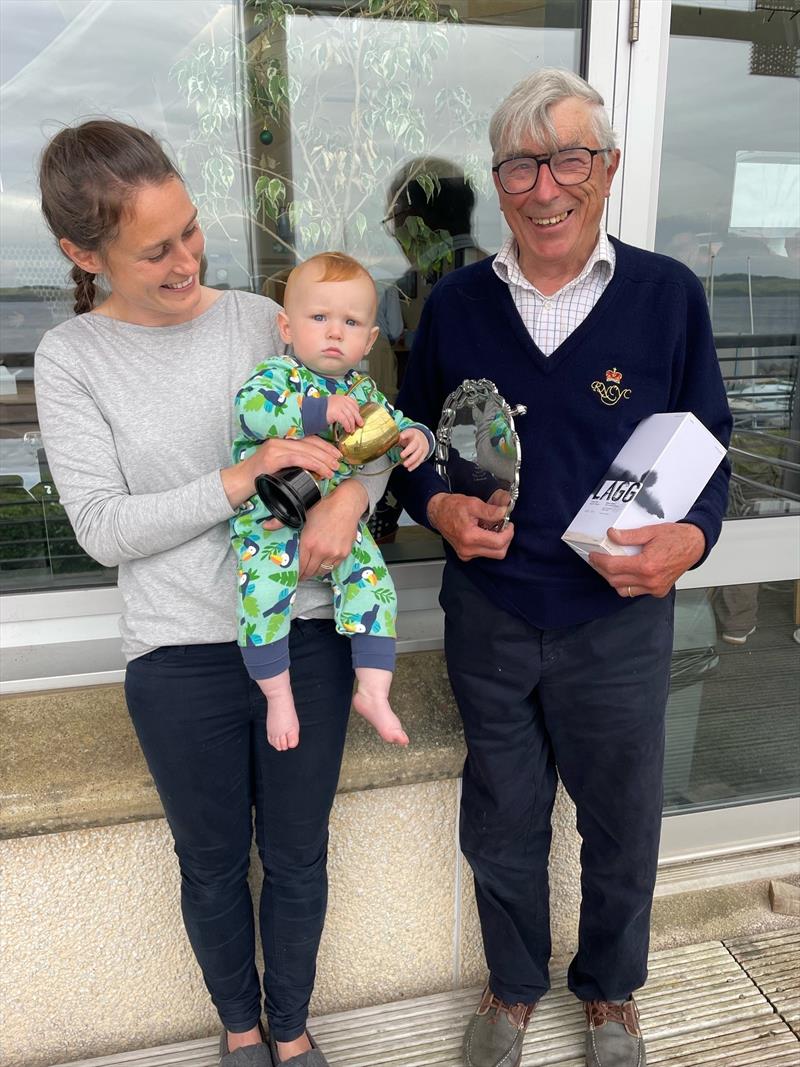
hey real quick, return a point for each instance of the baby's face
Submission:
(330, 324)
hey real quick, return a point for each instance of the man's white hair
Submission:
(524, 115)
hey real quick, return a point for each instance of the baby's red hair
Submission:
(334, 267)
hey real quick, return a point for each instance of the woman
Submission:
(135, 404)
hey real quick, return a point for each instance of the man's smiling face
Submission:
(556, 226)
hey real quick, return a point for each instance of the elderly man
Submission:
(559, 667)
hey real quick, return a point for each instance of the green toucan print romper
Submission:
(284, 399)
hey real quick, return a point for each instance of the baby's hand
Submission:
(344, 410)
(415, 448)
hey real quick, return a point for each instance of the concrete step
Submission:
(703, 1005)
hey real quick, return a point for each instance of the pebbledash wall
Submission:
(92, 933)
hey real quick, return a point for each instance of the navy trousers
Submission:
(201, 724)
(587, 702)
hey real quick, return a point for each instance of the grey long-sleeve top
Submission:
(137, 422)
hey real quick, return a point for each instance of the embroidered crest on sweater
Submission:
(609, 391)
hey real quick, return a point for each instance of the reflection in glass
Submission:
(729, 207)
(733, 732)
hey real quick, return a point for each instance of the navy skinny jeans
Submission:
(589, 703)
(201, 724)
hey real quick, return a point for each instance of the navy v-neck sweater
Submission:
(651, 327)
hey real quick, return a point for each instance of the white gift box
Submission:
(658, 474)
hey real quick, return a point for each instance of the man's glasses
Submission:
(570, 166)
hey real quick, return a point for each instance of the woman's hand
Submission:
(313, 454)
(330, 529)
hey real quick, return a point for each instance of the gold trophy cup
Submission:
(378, 434)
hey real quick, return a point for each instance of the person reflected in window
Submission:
(736, 607)
(561, 669)
(135, 397)
(429, 213)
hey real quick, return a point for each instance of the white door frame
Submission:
(632, 78)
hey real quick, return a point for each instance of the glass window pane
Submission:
(729, 207)
(64, 62)
(296, 131)
(733, 732)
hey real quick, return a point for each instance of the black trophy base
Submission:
(289, 494)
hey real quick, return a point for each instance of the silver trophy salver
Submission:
(478, 452)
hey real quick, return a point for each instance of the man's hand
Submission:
(458, 519)
(415, 448)
(344, 410)
(330, 529)
(668, 549)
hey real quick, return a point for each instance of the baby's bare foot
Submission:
(376, 709)
(283, 726)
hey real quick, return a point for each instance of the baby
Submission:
(329, 319)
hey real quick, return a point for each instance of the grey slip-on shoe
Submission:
(249, 1056)
(314, 1058)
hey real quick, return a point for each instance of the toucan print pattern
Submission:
(270, 404)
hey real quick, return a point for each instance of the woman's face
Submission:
(153, 264)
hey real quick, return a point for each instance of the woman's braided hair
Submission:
(87, 174)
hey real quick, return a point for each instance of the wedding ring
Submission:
(629, 591)
(329, 564)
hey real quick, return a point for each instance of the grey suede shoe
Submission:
(495, 1033)
(249, 1056)
(613, 1037)
(314, 1058)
